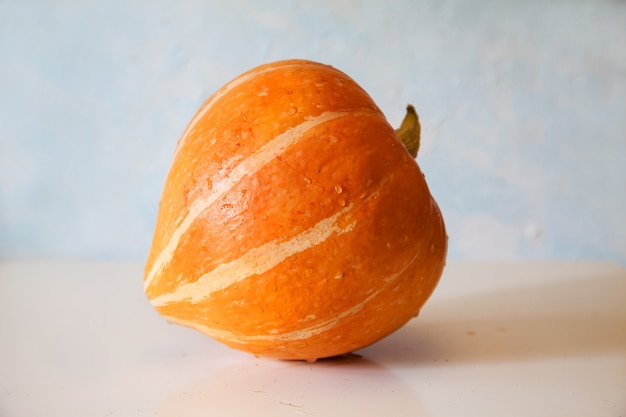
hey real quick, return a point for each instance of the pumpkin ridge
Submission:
(209, 103)
(247, 167)
(256, 261)
(300, 334)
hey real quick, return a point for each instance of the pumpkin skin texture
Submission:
(294, 223)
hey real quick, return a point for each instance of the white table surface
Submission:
(496, 339)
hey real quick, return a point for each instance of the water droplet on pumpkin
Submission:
(292, 110)
(339, 275)
(209, 183)
(307, 180)
(333, 139)
(227, 206)
(338, 189)
(244, 117)
(339, 81)
(342, 202)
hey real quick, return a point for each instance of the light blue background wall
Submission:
(523, 105)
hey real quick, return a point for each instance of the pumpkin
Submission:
(294, 223)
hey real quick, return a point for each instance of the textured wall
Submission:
(523, 107)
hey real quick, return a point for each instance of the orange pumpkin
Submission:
(294, 223)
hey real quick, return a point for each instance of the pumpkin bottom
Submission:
(358, 324)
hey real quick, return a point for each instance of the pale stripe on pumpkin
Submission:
(248, 166)
(294, 335)
(256, 261)
(208, 105)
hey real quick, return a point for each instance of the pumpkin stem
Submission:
(409, 131)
